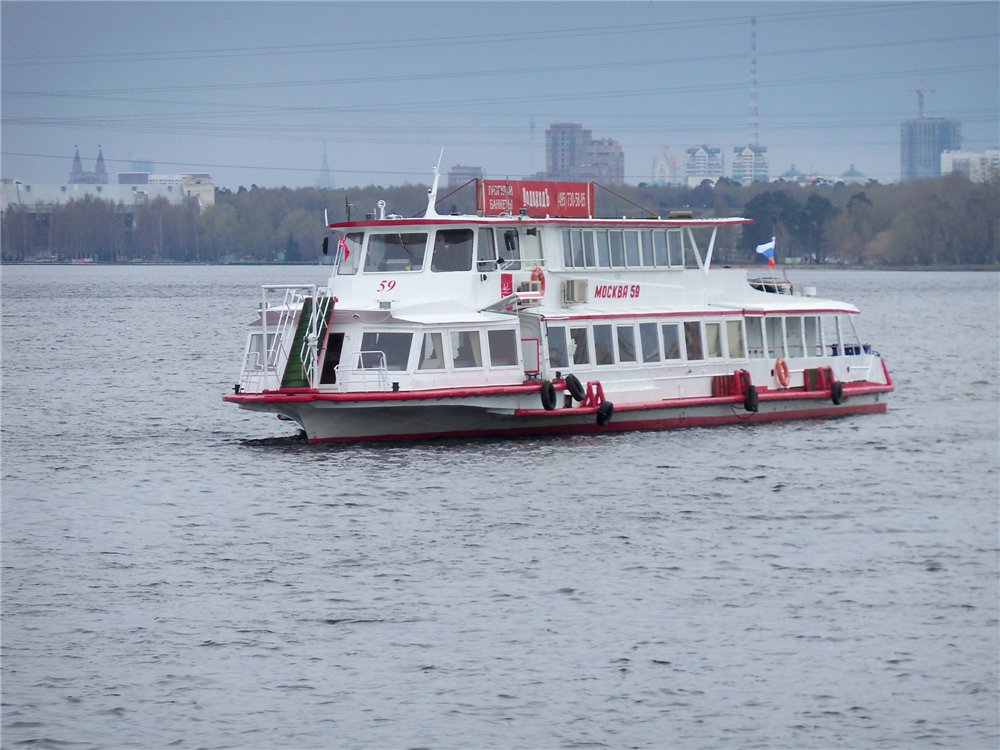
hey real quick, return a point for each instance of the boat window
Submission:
(603, 250)
(660, 248)
(452, 250)
(650, 342)
(849, 335)
(567, 249)
(617, 248)
(466, 349)
(394, 346)
(603, 346)
(814, 341)
(734, 334)
(531, 247)
(256, 355)
(793, 330)
(675, 248)
(692, 340)
(755, 338)
(576, 236)
(713, 340)
(509, 251)
(588, 249)
(503, 347)
(632, 258)
(671, 341)
(646, 236)
(557, 346)
(396, 251)
(486, 255)
(578, 347)
(831, 334)
(351, 258)
(626, 343)
(775, 337)
(431, 353)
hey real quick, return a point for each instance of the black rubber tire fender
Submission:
(575, 388)
(548, 394)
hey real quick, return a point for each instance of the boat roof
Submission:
(465, 219)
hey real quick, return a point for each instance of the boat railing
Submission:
(279, 309)
(364, 371)
(315, 333)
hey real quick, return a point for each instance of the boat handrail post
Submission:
(711, 249)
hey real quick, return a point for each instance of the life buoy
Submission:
(537, 274)
(575, 388)
(781, 370)
(548, 393)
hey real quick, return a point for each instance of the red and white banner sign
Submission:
(540, 198)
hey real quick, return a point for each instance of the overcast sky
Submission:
(252, 92)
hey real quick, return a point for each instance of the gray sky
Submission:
(251, 91)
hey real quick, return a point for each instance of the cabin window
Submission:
(486, 254)
(793, 332)
(626, 343)
(814, 340)
(650, 342)
(392, 348)
(632, 258)
(466, 349)
(849, 335)
(508, 249)
(713, 340)
(503, 348)
(692, 340)
(646, 236)
(578, 346)
(257, 356)
(671, 341)
(755, 338)
(617, 248)
(660, 249)
(452, 250)
(675, 248)
(576, 238)
(775, 337)
(603, 250)
(588, 249)
(603, 348)
(431, 353)
(567, 249)
(734, 336)
(351, 258)
(396, 251)
(557, 346)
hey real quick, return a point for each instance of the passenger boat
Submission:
(540, 319)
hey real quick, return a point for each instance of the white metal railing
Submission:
(364, 371)
(310, 350)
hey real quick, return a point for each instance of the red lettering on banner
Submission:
(539, 198)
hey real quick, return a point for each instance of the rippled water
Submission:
(179, 573)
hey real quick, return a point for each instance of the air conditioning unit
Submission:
(574, 290)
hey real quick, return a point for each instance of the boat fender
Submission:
(548, 393)
(537, 274)
(781, 370)
(575, 388)
(604, 412)
(836, 392)
(750, 399)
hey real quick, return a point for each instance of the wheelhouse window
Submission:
(671, 341)
(603, 346)
(650, 342)
(349, 252)
(395, 251)
(486, 254)
(675, 248)
(692, 340)
(431, 352)
(466, 349)
(503, 347)
(391, 347)
(452, 250)
(508, 249)
(557, 346)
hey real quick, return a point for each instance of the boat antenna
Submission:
(432, 193)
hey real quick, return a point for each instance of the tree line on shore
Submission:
(946, 221)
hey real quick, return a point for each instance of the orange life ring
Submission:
(781, 370)
(537, 274)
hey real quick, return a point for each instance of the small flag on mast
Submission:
(767, 250)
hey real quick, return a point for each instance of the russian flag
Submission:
(767, 250)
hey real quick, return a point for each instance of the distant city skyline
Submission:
(253, 93)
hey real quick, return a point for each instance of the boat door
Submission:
(531, 345)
